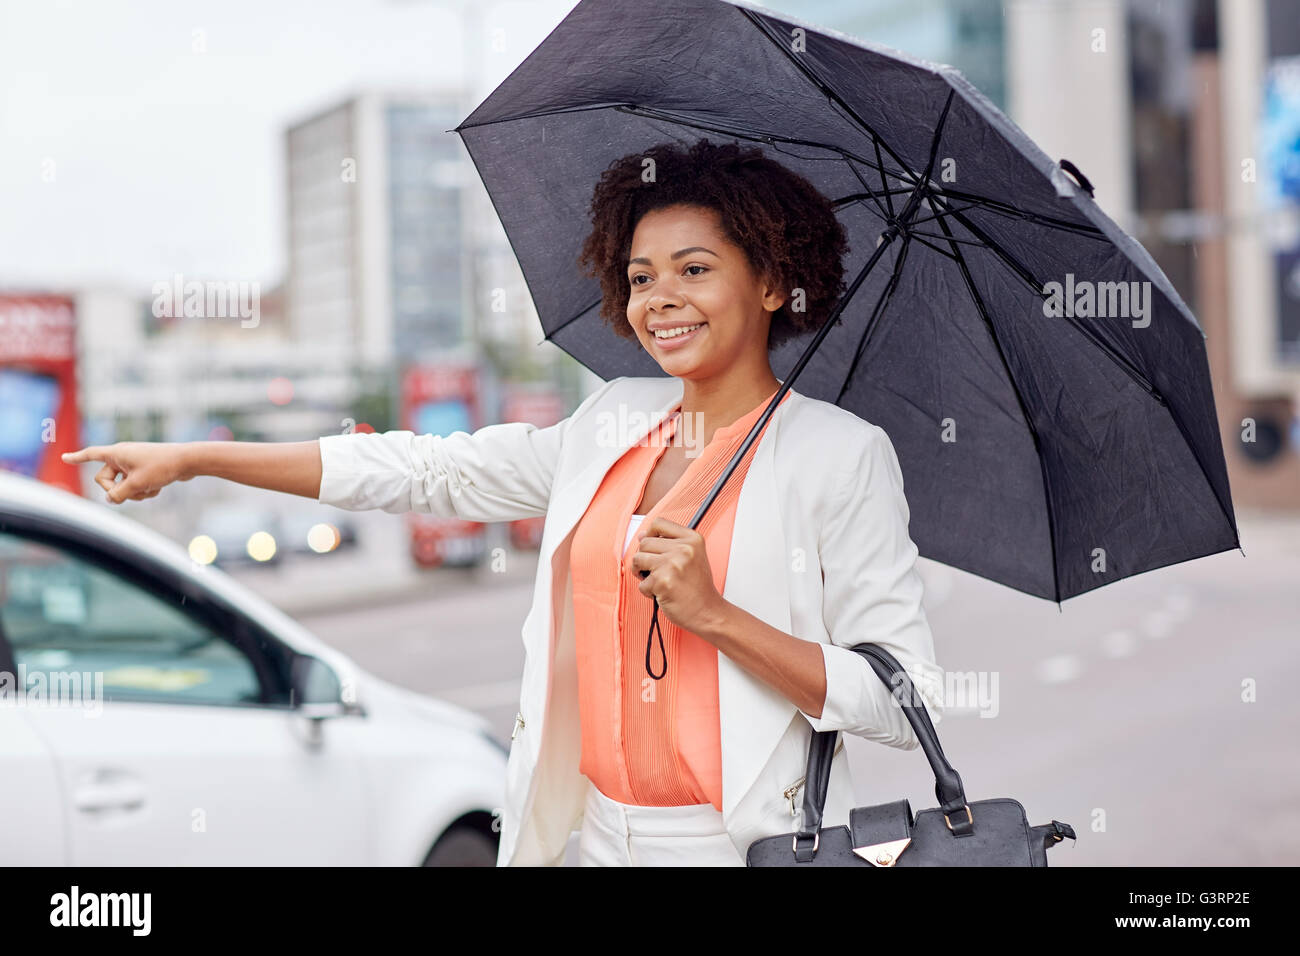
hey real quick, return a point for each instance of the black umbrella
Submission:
(1086, 446)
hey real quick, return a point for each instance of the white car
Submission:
(155, 712)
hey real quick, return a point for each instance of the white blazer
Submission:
(820, 550)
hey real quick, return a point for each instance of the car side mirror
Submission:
(317, 694)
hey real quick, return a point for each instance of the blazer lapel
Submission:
(572, 500)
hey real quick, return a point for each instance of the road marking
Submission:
(1059, 669)
(1158, 624)
(1119, 644)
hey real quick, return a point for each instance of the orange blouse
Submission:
(650, 742)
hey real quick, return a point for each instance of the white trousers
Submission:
(620, 834)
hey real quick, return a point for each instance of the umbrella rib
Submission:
(885, 213)
(930, 245)
(997, 205)
(934, 141)
(880, 165)
(1020, 400)
(1028, 217)
(771, 139)
(936, 216)
(571, 318)
(870, 327)
(777, 41)
(1010, 260)
(855, 197)
(930, 235)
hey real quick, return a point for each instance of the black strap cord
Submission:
(654, 628)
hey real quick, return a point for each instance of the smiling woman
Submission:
(763, 220)
(709, 256)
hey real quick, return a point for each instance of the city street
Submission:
(1156, 716)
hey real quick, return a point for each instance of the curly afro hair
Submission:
(785, 226)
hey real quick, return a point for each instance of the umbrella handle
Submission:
(1084, 183)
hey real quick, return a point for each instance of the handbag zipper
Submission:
(790, 792)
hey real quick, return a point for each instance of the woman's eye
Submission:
(642, 275)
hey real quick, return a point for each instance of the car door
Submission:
(32, 831)
(169, 717)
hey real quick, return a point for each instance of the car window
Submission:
(65, 616)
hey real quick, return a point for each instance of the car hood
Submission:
(379, 692)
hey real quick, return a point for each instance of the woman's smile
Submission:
(669, 339)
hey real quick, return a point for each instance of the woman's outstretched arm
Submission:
(145, 468)
(292, 467)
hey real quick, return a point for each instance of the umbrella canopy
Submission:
(1045, 388)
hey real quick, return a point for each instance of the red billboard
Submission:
(438, 399)
(38, 388)
(541, 405)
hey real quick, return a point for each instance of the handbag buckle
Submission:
(969, 818)
(817, 839)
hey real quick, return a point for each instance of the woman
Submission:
(687, 752)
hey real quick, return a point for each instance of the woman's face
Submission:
(683, 272)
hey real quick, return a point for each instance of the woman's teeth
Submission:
(673, 333)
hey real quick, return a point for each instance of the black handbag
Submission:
(984, 833)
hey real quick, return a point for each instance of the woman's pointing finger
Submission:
(89, 453)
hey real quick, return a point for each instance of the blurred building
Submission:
(967, 34)
(508, 329)
(148, 376)
(377, 265)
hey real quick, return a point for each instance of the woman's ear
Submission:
(774, 295)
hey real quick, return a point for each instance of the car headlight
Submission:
(261, 546)
(323, 538)
(203, 550)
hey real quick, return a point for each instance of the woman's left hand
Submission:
(680, 576)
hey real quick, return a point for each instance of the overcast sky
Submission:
(139, 138)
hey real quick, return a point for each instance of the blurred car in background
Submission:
(155, 712)
(309, 527)
(232, 533)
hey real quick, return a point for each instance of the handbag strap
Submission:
(947, 782)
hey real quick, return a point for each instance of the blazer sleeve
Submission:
(872, 592)
(501, 472)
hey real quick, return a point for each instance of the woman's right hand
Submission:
(145, 467)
